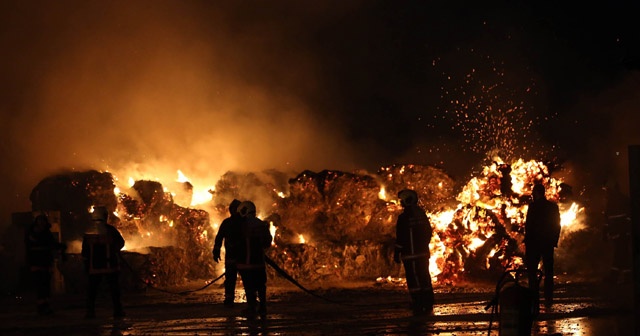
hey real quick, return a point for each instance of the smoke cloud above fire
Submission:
(145, 88)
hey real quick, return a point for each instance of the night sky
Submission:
(143, 88)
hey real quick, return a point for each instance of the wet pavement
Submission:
(366, 308)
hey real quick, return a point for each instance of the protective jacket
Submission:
(256, 238)
(40, 248)
(100, 251)
(542, 226)
(231, 233)
(413, 233)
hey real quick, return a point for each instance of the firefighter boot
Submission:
(250, 311)
(262, 309)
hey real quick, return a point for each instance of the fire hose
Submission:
(164, 290)
(268, 261)
(289, 278)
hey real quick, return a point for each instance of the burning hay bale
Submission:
(179, 238)
(433, 185)
(324, 261)
(328, 225)
(150, 218)
(73, 194)
(331, 206)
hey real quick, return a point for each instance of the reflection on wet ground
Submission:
(580, 309)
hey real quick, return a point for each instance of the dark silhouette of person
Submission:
(230, 233)
(542, 232)
(413, 234)
(101, 247)
(617, 230)
(41, 246)
(506, 187)
(255, 240)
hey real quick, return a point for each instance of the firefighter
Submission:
(101, 252)
(617, 230)
(505, 180)
(41, 246)
(255, 239)
(542, 232)
(413, 234)
(229, 232)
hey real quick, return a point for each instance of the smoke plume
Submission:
(145, 88)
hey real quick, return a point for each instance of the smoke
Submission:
(143, 89)
(598, 129)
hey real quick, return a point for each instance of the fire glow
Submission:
(483, 232)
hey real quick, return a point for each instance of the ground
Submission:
(361, 308)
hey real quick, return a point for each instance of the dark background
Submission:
(143, 88)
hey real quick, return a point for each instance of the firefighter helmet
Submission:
(100, 213)
(538, 188)
(233, 206)
(246, 208)
(408, 197)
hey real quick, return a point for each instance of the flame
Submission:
(460, 231)
(181, 177)
(571, 218)
(279, 193)
(382, 194)
(132, 182)
(469, 229)
(272, 229)
(202, 196)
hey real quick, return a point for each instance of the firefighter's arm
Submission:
(220, 236)
(557, 226)
(397, 254)
(118, 240)
(266, 234)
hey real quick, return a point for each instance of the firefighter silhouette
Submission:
(413, 234)
(255, 239)
(230, 233)
(41, 246)
(505, 180)
(617, 231)
(101, 247)
(542, 232)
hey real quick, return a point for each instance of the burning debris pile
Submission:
(484, 234)
(329, 225)
(144, 213)
(337, 225)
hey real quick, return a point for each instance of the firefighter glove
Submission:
(216, 255)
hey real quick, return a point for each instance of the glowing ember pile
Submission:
(329, 225)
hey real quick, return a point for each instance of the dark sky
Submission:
(144, 88)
